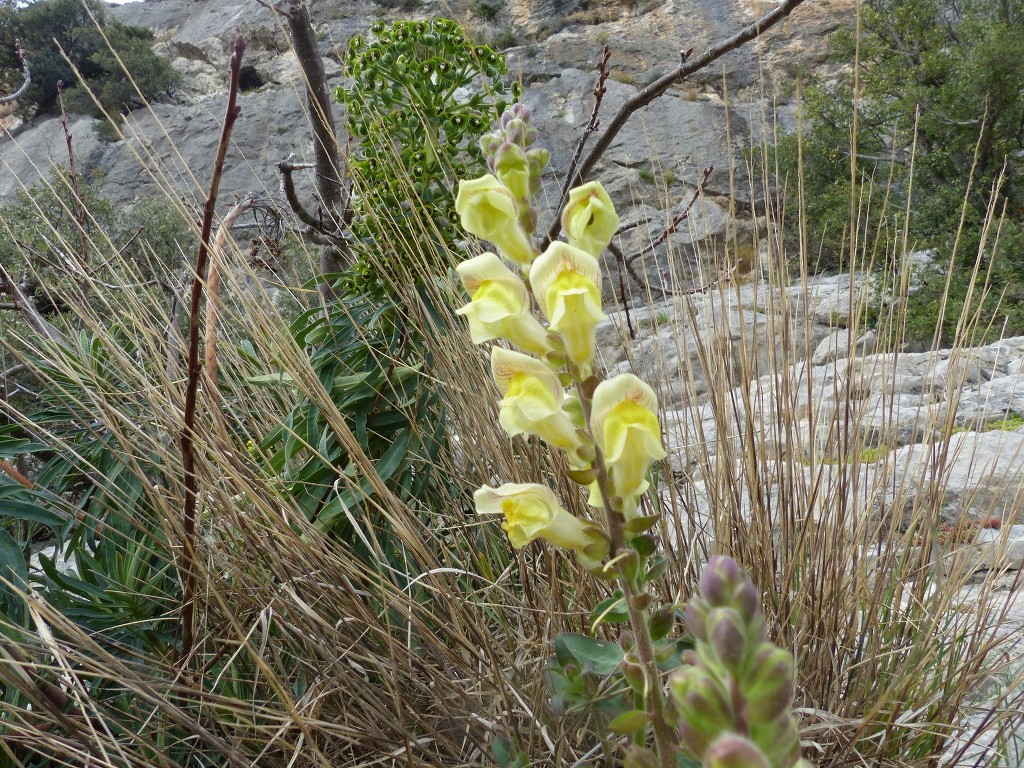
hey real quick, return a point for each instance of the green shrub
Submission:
(48, 26)
(940, 119)
(414, 136)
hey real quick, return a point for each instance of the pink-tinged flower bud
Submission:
(702, 705)
(489, 143)
(779, 740)
(719, 580)
(727, 636)
(732, 751)
(538, 160)
(639, 757)
(515, 131)
(766, 683)
(747, 602)
(696, 613)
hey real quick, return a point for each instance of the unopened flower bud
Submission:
(639, 757)
(696, 613)
(732, 751)
(727, 637)
(767, 683)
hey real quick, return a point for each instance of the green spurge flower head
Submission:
(413, 135)
(734, 697)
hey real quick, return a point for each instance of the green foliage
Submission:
(416, 136)
(940, 93)
(48, 26)
(360, 352)
(488, 11)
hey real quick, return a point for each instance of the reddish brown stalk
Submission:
(188, 457)
(80, 213)
(11, 471)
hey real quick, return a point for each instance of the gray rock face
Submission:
(675, 137)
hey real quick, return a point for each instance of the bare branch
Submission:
(687, 66)
(26, 75)
(288, 189)
(678, 219)
(593, 125)
(28, 310)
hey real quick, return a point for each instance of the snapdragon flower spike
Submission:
(532, 511)
(734, 660)
(567, 284)
(589, 218)
(490, 211)
(532, 402)
(625, 425)
(499, 306)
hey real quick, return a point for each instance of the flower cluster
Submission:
(734, 697)
(618, 431)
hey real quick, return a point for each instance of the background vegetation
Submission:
(92, 43)
(931, 113)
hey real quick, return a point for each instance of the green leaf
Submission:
(598, 656)
(640, 525)
(12, 562)
(611, 610)
(629, 722)
(505, 755)
(25, 510)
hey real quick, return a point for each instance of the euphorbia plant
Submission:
(729, 705)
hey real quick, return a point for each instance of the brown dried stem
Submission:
(188, 459)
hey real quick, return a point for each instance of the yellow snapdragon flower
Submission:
(533, 397)
(567, 284)
(532, 511)
(625, 425)
(589, 218)
(499, 306)
(490, 211)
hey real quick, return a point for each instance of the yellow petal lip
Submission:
(506, 363)
(567, 284)
(589, 218)
(500, 305)
(558, 258)
(625, 426)
(486, 266)
(532, 511)
(532, 400)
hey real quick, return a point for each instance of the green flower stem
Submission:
(664, 734)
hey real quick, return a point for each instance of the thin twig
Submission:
(80, 212)
(286, 168)
(687, 66)
(26, 75)
(678, 219)
(28, 310)
(188, 458)
(593, 125)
